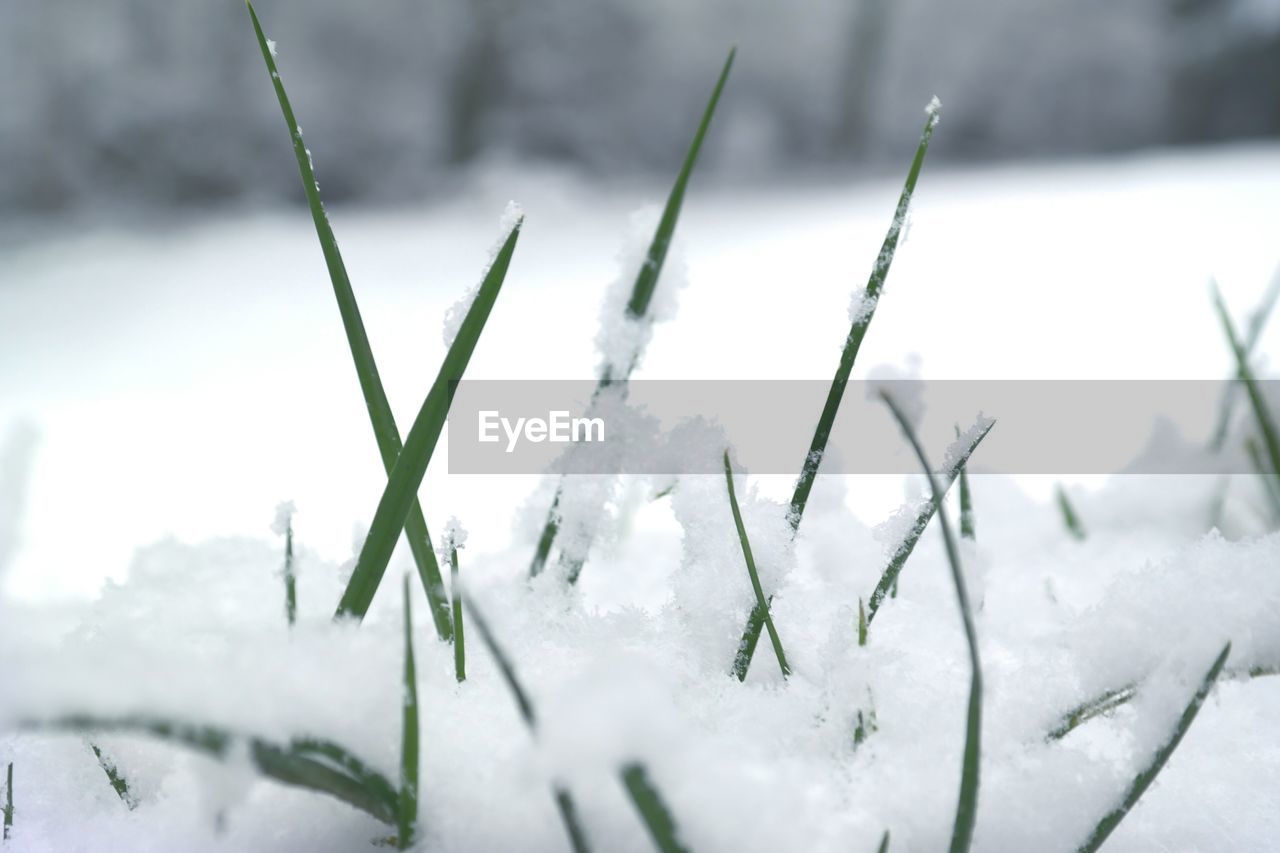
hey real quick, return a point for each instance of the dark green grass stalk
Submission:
(884, 843)
(8, 802)
(564, 800)
(402, 486)
(316, 765)
(1261, 412)
(290, 579)
(1070, 520)
(459, 635)
(1257, 322)
(967, 530)
(827, 419)
(385, 432)
(641, 296)
(862, 624)
(889, 578)
(751, 570)
(1096, 707)
(115, 778)
(967, 807)
(407, 813)
(652, 809)
(1148, 774)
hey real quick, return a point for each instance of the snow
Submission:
(284, 517)
(141, 577)
(512, 215)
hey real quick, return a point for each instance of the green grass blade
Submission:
(1149, 773)
(641, 296)
(1261, 412)
(564, 800)
(653, 810)
(8, 802)
(385, 432)
(857, 331)
(755, 579)
(1070, 520)
(862, 624)
(884, 843)
(647, 280)
(904, 550)
(459, 635)
(967, 808)
(407, 813)
(115, 778)
(402, 486)
(1257, 322)
(290, 580)
(318, 766)
(967, 530)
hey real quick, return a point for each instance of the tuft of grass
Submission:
(889, 578)
(564, 800)
(1261, 412)
(385, 432)
(653, 811)
(967, 808)
(1070, 520)
(459, 636)
(755, 578)
(1257, 322)
(853, 342)
(1148, 774)
(116, 779)
(641, 296)
(407, 812)
(317, 765)
(8, 802)
(402, 486)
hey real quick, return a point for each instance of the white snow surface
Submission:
(141, 579)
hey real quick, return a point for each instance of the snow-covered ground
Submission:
(171, 385)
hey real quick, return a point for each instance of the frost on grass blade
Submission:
(401, 493)
(115, 778)
(636, 318)
(956, 458)
(385, 432)
(316, 765)
(1148, 774)
(283, 526)
(861, 312)
(967, 807)
(564, 800)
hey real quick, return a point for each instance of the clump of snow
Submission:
(454, 536)
(284, 517)
(933, 110)
(511, 218)
(622, 337)
(271, 46)
(861, 307)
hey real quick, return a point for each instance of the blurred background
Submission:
(154, 103)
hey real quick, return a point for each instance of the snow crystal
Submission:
(861, 306)
(511, 218)
(455, 535)
(271, 46)
(284, 517)
(934, 109)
